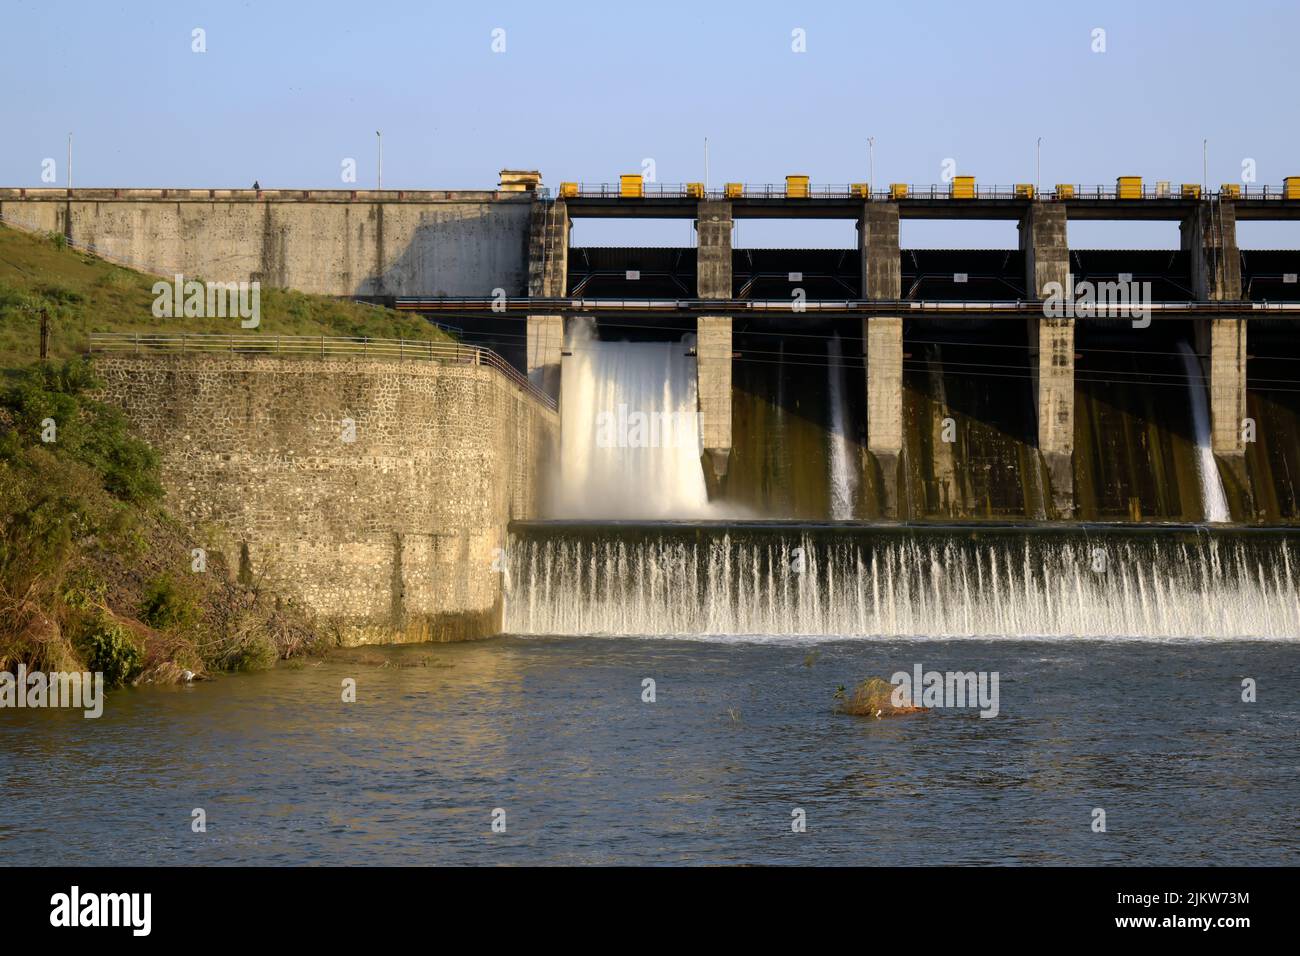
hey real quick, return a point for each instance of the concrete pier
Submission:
(548, 267)
(713, 345)
(1223, 341)
(1209, 233)
(882, 341)
(1051, 349)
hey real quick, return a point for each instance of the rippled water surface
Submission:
(554, 731)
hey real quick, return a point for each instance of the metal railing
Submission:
(580, 305)
(316, 346)
(205, 193)
(679, 191)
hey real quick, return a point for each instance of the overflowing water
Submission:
(843, 471)
(735, 580)
(1213, 501)
(629, 430)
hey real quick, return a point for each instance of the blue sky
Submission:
(585, 91)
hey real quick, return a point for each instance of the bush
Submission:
(251, 648)
(90, 432)
(169, 605)
(83, 590)
(109, 650)
(60, 294)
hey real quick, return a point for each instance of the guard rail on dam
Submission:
(952, 201)
(470, 306)
(904, 191)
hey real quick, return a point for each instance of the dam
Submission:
(706, 439)
(786, 435)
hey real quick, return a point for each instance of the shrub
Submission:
(252, 648)
(167, 604)
(109, 650)
(90, 432)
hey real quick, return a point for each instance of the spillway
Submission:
(629, 432)
(737, 580)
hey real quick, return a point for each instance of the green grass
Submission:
(84, 294)
(93, 572)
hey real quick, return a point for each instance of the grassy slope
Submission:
(93, 571)
(94, 574)
(86, 294)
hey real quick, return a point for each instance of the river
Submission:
(742, 733)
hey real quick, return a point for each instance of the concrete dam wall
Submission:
(450, 242)
(390, 536)
(969, 449)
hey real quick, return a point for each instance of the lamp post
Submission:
(380, 136)
(1038, 168)
(871, 163)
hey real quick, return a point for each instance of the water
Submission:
(553, 730)
(738, 579)
(843, 476)
(1213, 501)
(629, 430)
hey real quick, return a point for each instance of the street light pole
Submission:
(1038, 167)
(1205, 166)
(381, 158)
(69, 160)
(871, 163)
(706, 164)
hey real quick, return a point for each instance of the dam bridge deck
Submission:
(774, 201)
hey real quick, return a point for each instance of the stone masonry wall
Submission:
(389, 538)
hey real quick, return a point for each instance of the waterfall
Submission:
(738, 580)
(630, 440)
(1213, 501)
(843, 474)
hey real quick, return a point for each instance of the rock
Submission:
(872, 698)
